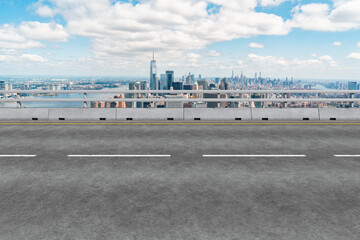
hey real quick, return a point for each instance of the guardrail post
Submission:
(352, 103)
(218, 103)
(85, 103)
(18, 103)
(265, 103)
(285, 103)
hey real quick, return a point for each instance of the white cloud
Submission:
(43, 31)
(25, 35)
(326, 58)
(32, 58)
(256, 45)
(271, 2)
(358, 44)
(337, 44)
(11, 38)
(283, 63)
(7, 58)
(354, 56)
(120, 29)
(45, 11)
(17, 57)
(321, 17)
(213, 53)
(194, 55)
(329, 60)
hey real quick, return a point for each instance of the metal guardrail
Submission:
(285, 94)
(181, 91)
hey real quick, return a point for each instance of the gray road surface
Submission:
(185, 196)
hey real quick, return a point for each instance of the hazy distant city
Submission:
(170, 81)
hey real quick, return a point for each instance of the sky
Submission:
(304, 39)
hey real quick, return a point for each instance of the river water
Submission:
(64, 104)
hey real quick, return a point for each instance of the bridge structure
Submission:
(67, 174)
(176, 110)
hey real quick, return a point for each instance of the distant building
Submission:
(224, 85)
(204, 84)
(2, 85)
(144, 85)
(211, 104)
(192, 78)
(188, 87)
(177, 85)
(169, 79)
(188, 80)
(130, 95)
(153, 72)
(163, 82)
(352, 85)
(174, 104)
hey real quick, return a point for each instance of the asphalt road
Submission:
(180, 194)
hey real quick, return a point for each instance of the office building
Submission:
(144, 85)
(224, 85)
(130, 95)
(352, 85)
(163, 82)
(153, 74)
(174, 104)
(203, 84)
(177, 85)
(188, 80)
(169, 79)
(188, 87)
(192, 78)
(211, 104)
(2, 87)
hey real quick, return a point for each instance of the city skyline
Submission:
(280, 38)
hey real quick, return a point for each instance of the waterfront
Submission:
(63, 104)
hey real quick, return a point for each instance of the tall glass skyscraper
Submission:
(153, 72)
(169, 79)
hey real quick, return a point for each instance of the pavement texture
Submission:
(185, 196)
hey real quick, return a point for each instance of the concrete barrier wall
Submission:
(229, 114)
(189, 114)
(82, 113)
(339, 113)
(24, 113)
(285, 113)
(150, 113)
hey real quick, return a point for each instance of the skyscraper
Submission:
(192, 78)
(224, 85)
(177, 85)
(169, 79)
(153, 72)
(352, 85)
(130, 95)
(163, 82)
(2, 86)
(188, 80)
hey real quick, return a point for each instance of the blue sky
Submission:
(280, 38)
